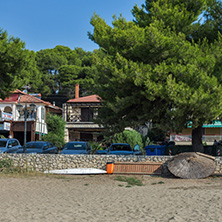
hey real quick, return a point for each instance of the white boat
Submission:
(78, 171)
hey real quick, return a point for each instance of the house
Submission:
(211, 132)
(12, 122)
(79, 114)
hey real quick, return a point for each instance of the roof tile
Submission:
(86, 99)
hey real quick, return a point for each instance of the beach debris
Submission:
(192, 165)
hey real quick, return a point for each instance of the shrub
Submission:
(56, 130)
(129, 136)
(95, 146)
(156, 134)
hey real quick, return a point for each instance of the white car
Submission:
(9, 145)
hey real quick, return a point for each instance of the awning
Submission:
(215, 124)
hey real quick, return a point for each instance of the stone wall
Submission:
(42, 162)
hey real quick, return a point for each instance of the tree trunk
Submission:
(197, 140)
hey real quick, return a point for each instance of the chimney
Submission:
(76, 91)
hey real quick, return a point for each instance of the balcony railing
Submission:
(77, 119)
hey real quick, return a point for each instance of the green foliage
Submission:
(6, 163)
(129, 180)
(156, 134)
(6, 166)
(56, 130)
(14, 63)
(131, 137)
(147, 141)
(61, 68)
(95, 146)
(157, 68)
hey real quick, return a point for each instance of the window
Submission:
(50, 145)
(9, 143)
(8, 109)
(14, 143)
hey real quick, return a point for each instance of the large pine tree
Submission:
(158, 68)
(15, 64)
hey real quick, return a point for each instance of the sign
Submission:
(6, 116)
(5, 126)
(179, 138)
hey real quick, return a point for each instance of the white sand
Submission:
(101, 198)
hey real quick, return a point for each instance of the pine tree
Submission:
(153, 68)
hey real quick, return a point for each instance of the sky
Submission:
(43, 24)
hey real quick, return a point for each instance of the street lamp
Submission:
(26, 114)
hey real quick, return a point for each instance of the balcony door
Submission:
(86, 114)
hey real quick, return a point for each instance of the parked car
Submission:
(38, 147)
(76, 147)
(9, 145)
(121, 149)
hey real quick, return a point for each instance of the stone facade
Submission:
(42, 162)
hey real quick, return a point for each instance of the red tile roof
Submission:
(11, 98)
(19, 96)
(86, 99)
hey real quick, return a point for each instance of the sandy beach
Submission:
(102, 198)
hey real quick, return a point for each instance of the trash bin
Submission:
(174, 150)
(208, 150)
(109, 167)
(155, 150)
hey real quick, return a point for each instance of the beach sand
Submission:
(102, 198)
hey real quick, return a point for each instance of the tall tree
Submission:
(80, 69)
(48, 62)
(14, 63)
(153, 69)
(61, 68)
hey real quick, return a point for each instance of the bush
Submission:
(56, 130)
(129, 136)
(156, 134)
(95, 146)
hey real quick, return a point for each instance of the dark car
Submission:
(38, 147)
(9, 145)
(76, 147)
(121, 149)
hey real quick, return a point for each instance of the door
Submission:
(9, 147)
(15, 145)
(86, 114)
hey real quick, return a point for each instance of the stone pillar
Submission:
(66, 135)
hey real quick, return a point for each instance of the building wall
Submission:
(212, 131)
(78, 128)
(209, 135)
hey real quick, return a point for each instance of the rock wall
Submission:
(42, 162)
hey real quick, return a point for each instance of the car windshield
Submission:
(121, 147)
(3, 143)
(34, 145)
(75, 146)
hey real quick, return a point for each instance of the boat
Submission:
(77, 171)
